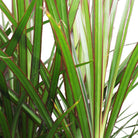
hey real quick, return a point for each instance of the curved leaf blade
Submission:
(4, 126)
(122, 91)
(28, 87)
(7, 103)
(17, 34)
(58, 121)
(117, 55)
(72, 76)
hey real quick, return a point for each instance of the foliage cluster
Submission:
(30, 90)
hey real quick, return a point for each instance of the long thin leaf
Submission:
(4, 126)
(29, 88)
(16, 116)
(45, 76)
(106, 46)
(98, 21)
(35, 65)
(54, 81)
(63, 11)
(7, 12)
(72, 75)
(122, 91)
(7, 103)
(3, 36)
(12, 45)
(82, 82)
(37, 44)
(117, 54)
(51, 5)
(32, 28)
(25, 108)
(22, 53)
(72, 12)
(58, 121)
(14, 9)
(89, 43)
(113, 9)
(120, 128)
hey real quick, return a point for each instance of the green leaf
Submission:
(3, 36)
(58, 121)
(54, 82)
(52, 9)
(22, 52)
(132, 85)
(7, 13)
(45, 75)
(6, 99)
(32, 28)
(14, 9)
(88, 55)
(121, 71)
(83, 64)
(122, 91)
(98, 21)
(16, 115)
(36, 51)
(63, 11)
(82, 83)
(121, 128)
(113, 9)
(117, 55)
(16, 36)
(25, 108)
(29, 88)
(106, 46)
(72, 12)
(22, 62)
(72, 76)
(4, 126)
(20, 9)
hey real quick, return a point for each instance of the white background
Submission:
(132, 37)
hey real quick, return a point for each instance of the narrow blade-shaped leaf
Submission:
(4, 126)
(72, 12)
(72, 75)
(122, 91)
(117, 54)
(14, 40)
(58, 121)
(98, 21)
(29, 88)
(6, 99)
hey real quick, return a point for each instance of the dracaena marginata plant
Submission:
(30, 89)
